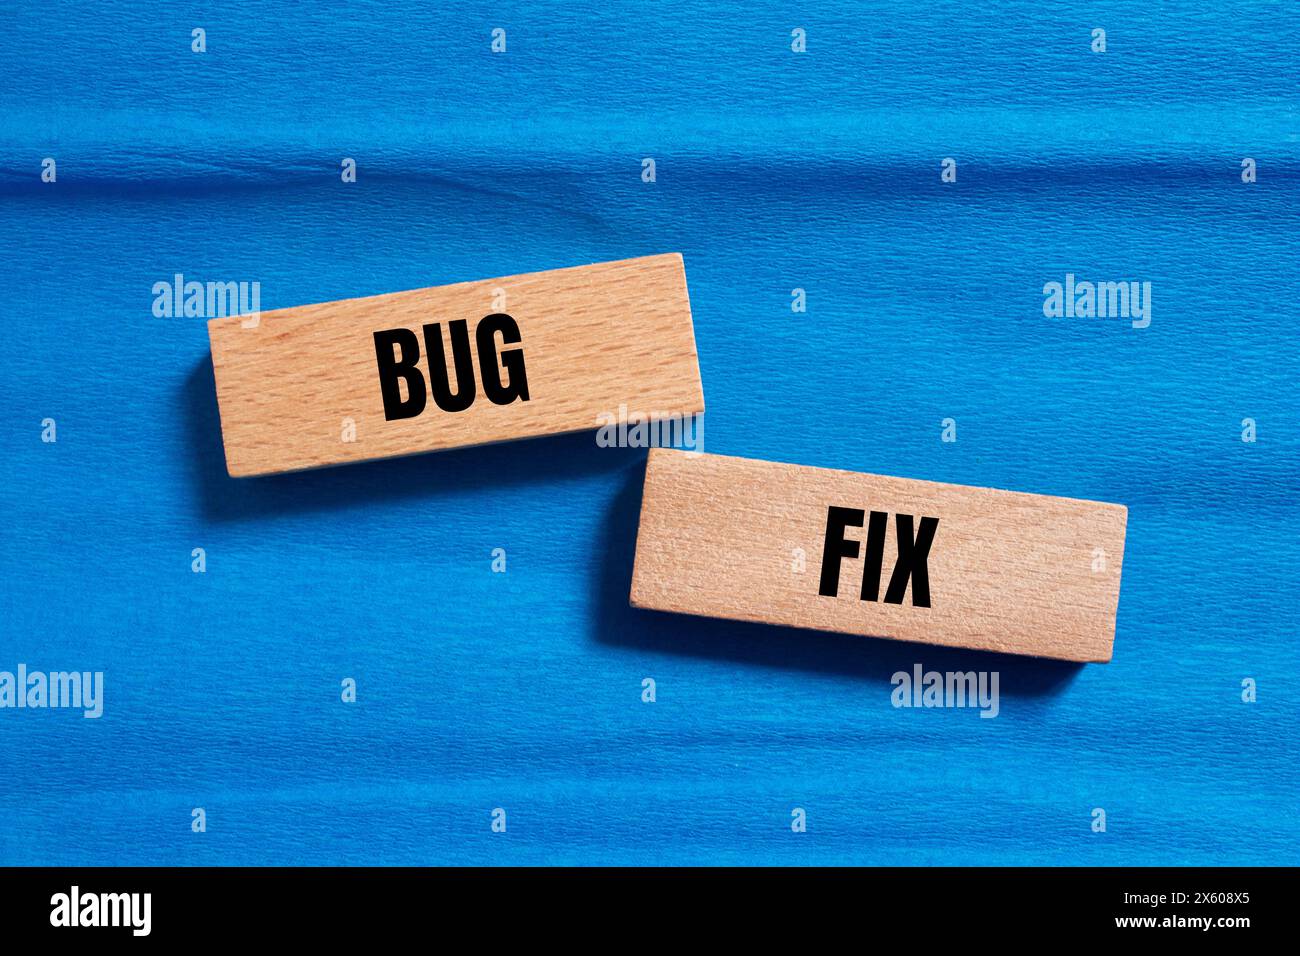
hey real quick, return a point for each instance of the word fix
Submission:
(886, 557)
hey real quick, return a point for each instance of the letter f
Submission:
(837, 546)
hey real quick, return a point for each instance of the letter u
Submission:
(439, 380)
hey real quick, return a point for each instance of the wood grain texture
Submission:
(593, 338)
(742, 539)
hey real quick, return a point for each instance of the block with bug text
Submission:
(522, 356)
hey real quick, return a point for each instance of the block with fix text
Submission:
(517, 357)
(886, 557)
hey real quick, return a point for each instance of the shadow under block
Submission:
(749, 540)
(305, 387)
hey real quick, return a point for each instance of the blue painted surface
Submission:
(774, 171)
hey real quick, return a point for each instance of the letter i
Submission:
(875, 557)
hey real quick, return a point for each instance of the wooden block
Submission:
(812, 547)
(527, 355)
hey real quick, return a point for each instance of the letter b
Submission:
(393, 368)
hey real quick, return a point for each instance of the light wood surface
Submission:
(300, 387)
(742, 539)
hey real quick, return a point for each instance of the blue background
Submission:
(775, 170)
